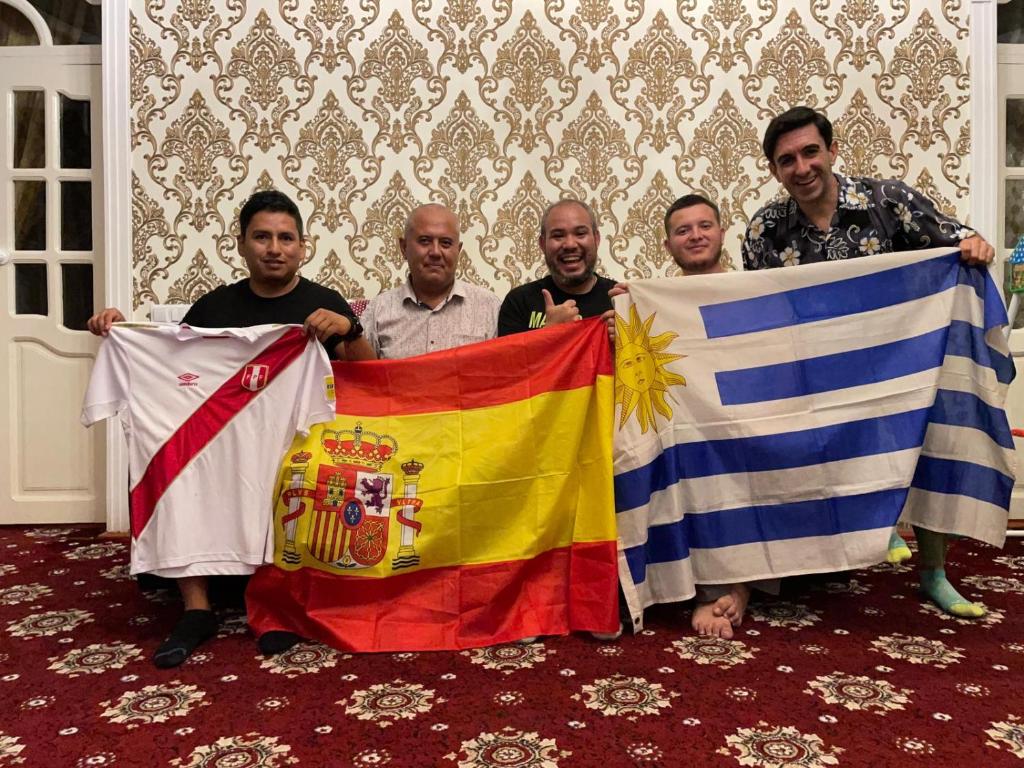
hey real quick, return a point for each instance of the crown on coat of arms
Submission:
(354, 446)
(302, 457)
(412, 467)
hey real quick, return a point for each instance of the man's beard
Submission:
(576, 280)
(701, 265)
(570, 281)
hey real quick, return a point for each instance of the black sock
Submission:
(192, 628)
(277, 641)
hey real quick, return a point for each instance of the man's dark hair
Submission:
(790, 120)
(688, 201)
(268, 200)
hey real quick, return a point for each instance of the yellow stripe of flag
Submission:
(485, 498)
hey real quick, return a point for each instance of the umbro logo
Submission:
(188, 380)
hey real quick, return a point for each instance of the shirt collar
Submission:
(184, 332)
(409, 295)
(847, 187)
(796, 217)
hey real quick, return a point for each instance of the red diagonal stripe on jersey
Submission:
(204, 424)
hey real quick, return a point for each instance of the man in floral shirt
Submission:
(827, 217)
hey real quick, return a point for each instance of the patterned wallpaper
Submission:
(360, 111)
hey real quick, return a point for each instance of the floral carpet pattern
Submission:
(845, 670)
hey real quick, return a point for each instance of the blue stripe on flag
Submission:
(800, 448)
(976, 278)
(828, 300)
(665, 544)
(963, 478)
(794, 520)
(962, 409)
(984, 286)
(966, 340)
(995, 310)
(828, 373)
(1005, 370)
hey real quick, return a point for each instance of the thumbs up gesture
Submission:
(559, 313)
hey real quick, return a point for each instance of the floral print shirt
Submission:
(872, 216)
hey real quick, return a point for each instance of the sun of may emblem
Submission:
(641, 380)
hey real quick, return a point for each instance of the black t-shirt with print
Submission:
(523, 307)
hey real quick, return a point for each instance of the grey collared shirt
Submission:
(397, 325)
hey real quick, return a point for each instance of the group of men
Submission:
(826, 216)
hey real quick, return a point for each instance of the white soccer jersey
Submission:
(208, 414)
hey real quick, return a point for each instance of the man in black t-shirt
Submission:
(569, 240)
(271, 243)
(572, 291)
(239, 306)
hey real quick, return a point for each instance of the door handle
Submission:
(4, 257)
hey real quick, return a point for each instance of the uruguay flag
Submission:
(778, 422)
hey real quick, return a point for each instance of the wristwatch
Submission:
(355, 331)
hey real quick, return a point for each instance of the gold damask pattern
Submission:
(361, 111)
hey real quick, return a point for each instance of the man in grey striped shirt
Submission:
(431, 310)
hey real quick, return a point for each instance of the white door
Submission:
(1011, 217)
(51, 468)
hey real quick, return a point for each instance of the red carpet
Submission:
(848, 673)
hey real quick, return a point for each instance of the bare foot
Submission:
(707, 624)
(733, 606)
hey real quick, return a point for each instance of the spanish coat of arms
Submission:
(348, 503)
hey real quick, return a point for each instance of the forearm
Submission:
(357, 349)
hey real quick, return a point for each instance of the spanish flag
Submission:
(459, 499)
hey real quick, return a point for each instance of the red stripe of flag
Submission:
(203, 425)
(567, 589)
(505, 370)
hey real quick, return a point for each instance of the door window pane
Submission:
(29, 215)
(29, 129)
(30, 289)
(1015, 132)
(76, 295)
(15, 29)
(1010, 22)
(75, 132)
(71, 22)
(76, 216)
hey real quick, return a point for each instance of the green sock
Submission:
(937, 588)
(898, 549)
